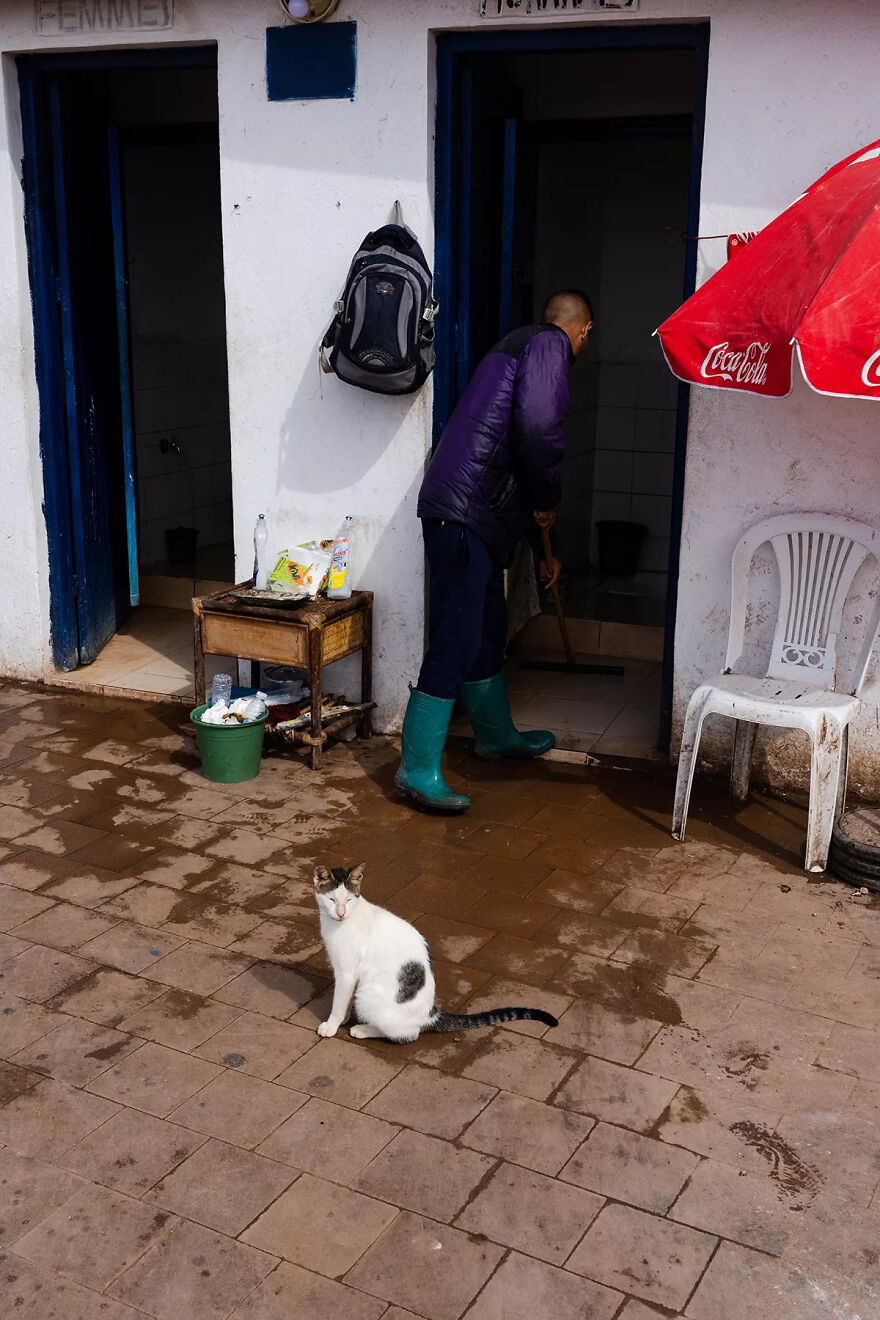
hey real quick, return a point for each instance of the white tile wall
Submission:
(657, 387)
(655, 430)
(613, 470)
(655, 554)
(573, 530)
(191, 488)
(178, 335)
(651, 473)
(577, 473)
(635, 456)
(615, 428)
(623, 394)
(580, 433)
(610, 504)
(583, 385)
(653, 511)
(618, 383)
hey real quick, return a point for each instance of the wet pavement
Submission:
(698, 1137)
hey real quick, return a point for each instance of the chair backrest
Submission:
(818, 555)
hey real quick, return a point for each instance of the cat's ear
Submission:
(322, 877)
(355, 876)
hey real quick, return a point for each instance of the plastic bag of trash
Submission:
(287, 694)
(244, 710)
(300, 571)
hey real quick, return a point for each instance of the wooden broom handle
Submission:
(557, 603)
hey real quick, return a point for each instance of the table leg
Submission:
(198, 658)
(316, 657)
(365, 728)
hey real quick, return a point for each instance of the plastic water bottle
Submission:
(261, 554)
(340, 569)
(255, 709)
(221, 689)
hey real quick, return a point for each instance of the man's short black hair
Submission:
(566, 305)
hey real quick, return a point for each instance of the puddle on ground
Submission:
(634, 990)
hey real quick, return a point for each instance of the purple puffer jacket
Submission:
(498, 457)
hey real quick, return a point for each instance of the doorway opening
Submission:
(577, 165)
(122, 187)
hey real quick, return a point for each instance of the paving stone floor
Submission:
(699, 1136)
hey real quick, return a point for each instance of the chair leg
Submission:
(840, 805)
(687, 761)
(743, 745)
(825, 772)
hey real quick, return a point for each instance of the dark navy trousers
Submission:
(467, 610)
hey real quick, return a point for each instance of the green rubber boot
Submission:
(497, 736)
(420, 776)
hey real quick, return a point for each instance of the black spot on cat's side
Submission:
(412, 979)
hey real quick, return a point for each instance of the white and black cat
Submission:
(382, 963)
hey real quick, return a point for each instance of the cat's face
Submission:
(338, 890)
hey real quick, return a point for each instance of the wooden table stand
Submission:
(306, 636)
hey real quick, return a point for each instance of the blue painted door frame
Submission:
(91, 396)
(77, 508)
(458, 56)
(120, 280)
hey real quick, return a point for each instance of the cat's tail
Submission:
(440, 1021)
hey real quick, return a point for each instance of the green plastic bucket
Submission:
(230, 753)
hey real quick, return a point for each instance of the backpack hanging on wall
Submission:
(382, 336)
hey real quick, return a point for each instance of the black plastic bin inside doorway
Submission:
(620, 547)
(181, 544)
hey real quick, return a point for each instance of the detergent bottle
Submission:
(262, 567)
(340, 584)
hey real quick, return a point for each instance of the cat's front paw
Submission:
(327, 1029)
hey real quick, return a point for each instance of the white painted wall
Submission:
(791, 90)
(792, 87)
(24, 619)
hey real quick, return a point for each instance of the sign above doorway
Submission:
(56, 17)
(552, 8)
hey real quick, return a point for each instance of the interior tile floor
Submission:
(600, 714)
(152, 653)
(697, 1138)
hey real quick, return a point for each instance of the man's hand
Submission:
(546, 520)
(549, 572)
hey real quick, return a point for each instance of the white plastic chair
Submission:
(818, 556)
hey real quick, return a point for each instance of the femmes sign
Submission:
(56, 17)
(551, 8)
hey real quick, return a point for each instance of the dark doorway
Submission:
(122, 182)
(572, 160)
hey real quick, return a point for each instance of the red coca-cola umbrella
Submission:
(809, 282)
